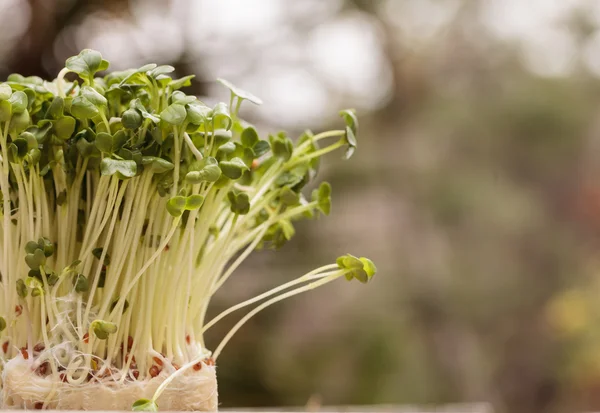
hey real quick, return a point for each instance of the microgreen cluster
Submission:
(126, 204)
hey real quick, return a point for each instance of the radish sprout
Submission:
(125, 205)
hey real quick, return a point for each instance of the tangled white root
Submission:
(23, 389)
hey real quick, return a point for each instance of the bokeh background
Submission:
(474, 188)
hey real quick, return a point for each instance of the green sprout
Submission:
(126, 205)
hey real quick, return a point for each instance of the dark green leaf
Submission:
(239, 202)
(81, 283)
(47, 246)
(87, 149)
(131, 119)
(31, 246)
(21, 288)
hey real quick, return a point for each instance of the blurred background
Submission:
(474, 188)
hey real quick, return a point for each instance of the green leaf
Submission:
(83, 109)
(2, 324)
(35, 260)
(102, 328)
(160, 70)
(19, 122)
(5, 110)
(351, 131)
(56, 109)
(111, 144)
(369, 267)
(233, 169)
(289, 197)
(240, 93)
(222, 136)
(17, 150)
(131, 119)
(144, 405)
(239, 202)
(260, 148)
(81, 283)
(31, 246)
(32, 142)
(5, 91)
(350, 119)
(351, 141)
(46, 246)
(72, 266)
(122, 168)
(361, 269)
(176, 205)
(210, 172)
(249, 137)
(21, 288)
(227, 148)
(323, 197)
(221, 116)
(64, 127)
(157, 165)
(137, 104)
(52, 279)
(174, 114)
(19, 101)
(86, 63)
(87, 149)
(182, 82)
(281, 146)
(182, 98)
(287, 228)
(194, 202)
(198, 113)
(93, 96)
(116, 301)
